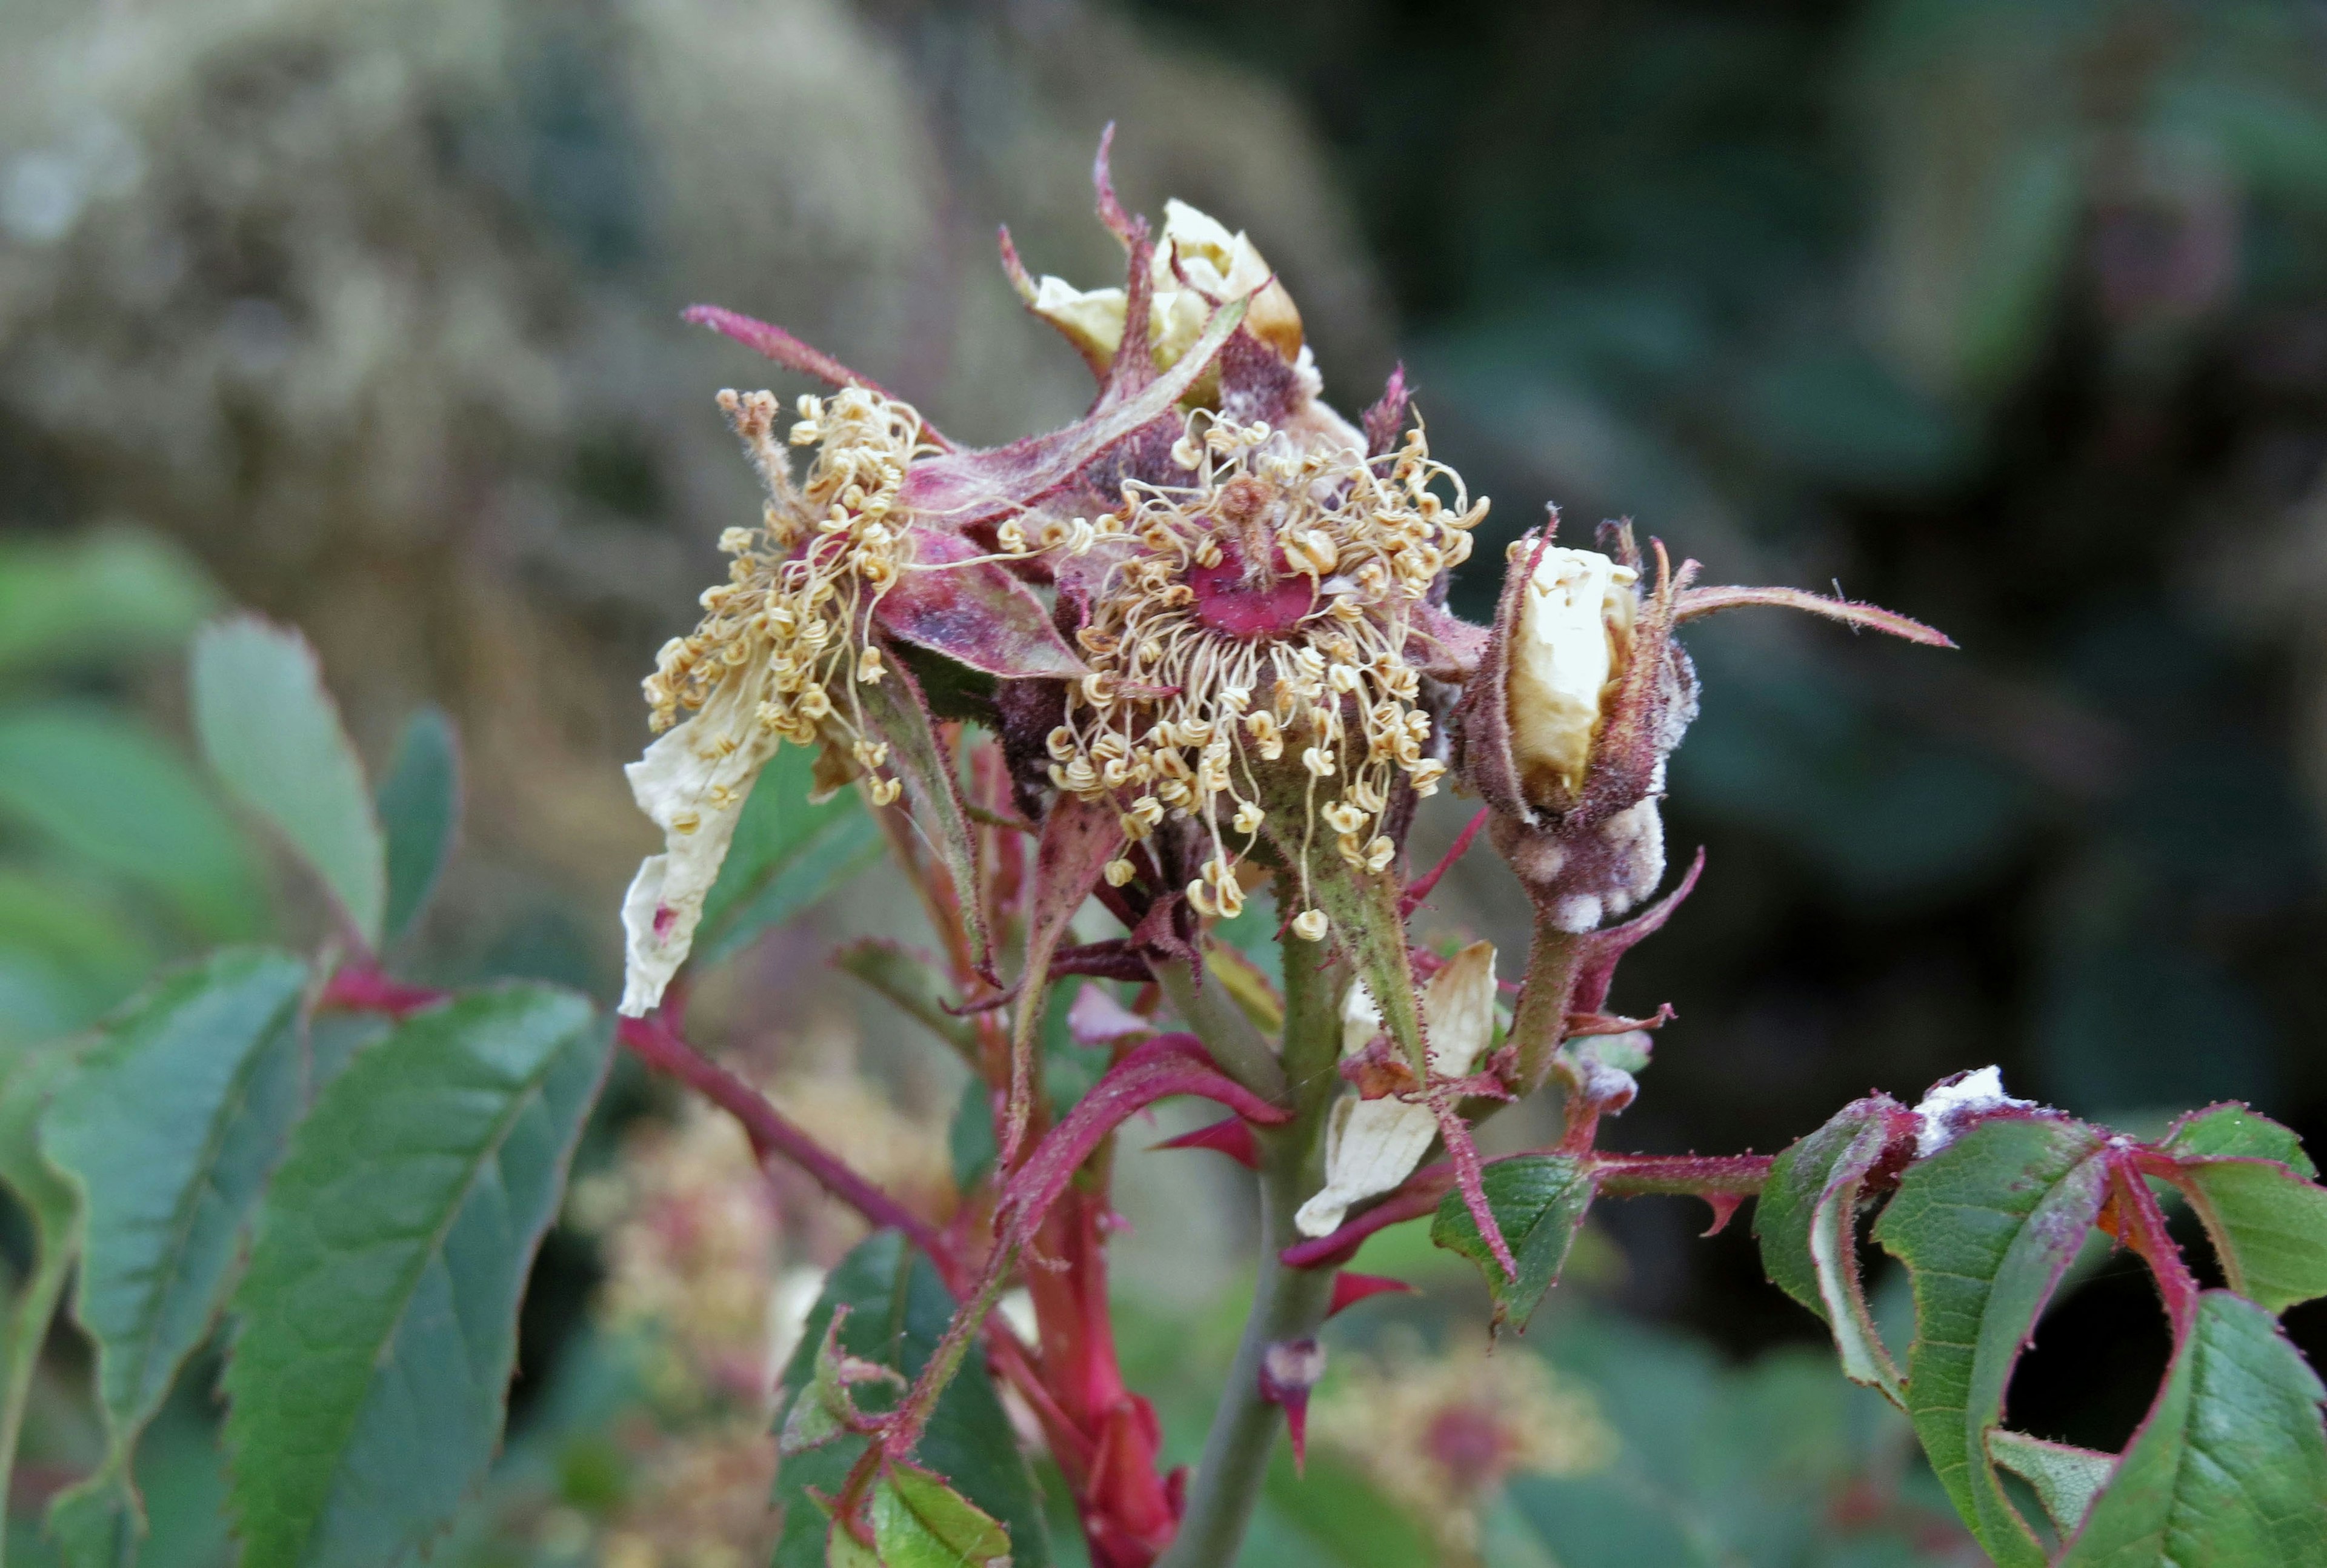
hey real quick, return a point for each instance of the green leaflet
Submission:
(104, 789)
(897, 1311)
(379, 1311)
(897, 712)
(787, 853)
(1805, 1219)
(1540, 1201)
(2232, 1131)
(2269, 1226)
(920, 1522)
(419, 806)
(273, 733)
(92, 597)
(2249, 1179)
(2230, 1468)
(168, 1131)
(1986, 1226)
(2065, 1479)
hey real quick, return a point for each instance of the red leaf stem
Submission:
(772, 340)
(362, 988)
(656, 1043)
(2140, 1224)
(1168, 1065)
(1419, 888)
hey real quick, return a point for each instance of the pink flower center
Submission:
(1234, 599)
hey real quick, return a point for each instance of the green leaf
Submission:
(96, 596)
(1540, 1201)
(2268, 1226)
(66, 953)
(1805, 1220)
(825, 1409)
(95, 1522)
(2230, 1467)
(2234, 1132)
(843, 1549)
(2064, 1479)
(168, 1131)
(419, 807)
(897, 1311)
(920, 1522)
(379, 1311)
(273, 733)
(104, 789)
(1985, 1228)
(824, 862)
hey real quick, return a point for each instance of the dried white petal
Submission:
(1370, 1146)
(693, 782)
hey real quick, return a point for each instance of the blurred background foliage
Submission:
(2012, 316)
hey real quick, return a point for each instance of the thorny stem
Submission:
(655, 1042)
(1288, 1303)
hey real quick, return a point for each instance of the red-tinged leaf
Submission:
(970, 608)
(2228, 1469)
(766, 339)
(1701, 602)
(1232, 1137)
(967, 487)
(1986, 1227)
(1078, 837)
(1350, 1289)
(1168, 1065)
(898, 715)
(1807, 1220)
(1118, 222)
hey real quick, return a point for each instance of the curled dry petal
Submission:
(693, 782)
(1373, 1145)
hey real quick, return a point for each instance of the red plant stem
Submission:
(1680, 1175)
(1706, 1176)
(2143, 1228)
(1419, 888)
(655, 1042)
(363, 988)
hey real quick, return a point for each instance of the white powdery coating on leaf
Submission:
(693, 782)
(1951, 1102)
(1372, 1145)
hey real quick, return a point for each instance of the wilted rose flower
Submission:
(1249, 638)
(1373, 1144)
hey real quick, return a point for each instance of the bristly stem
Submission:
(655, 1042)
(1231, 1039)
(1288, 1303)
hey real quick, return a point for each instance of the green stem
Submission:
(1235, 1044)
(1287, 1303)
(29, 1317)
(1540, 1021)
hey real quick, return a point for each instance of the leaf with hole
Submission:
(1986, 1227)
(272, 731)
(379, 1310)
(2065, 1479)
(2230, 1467)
